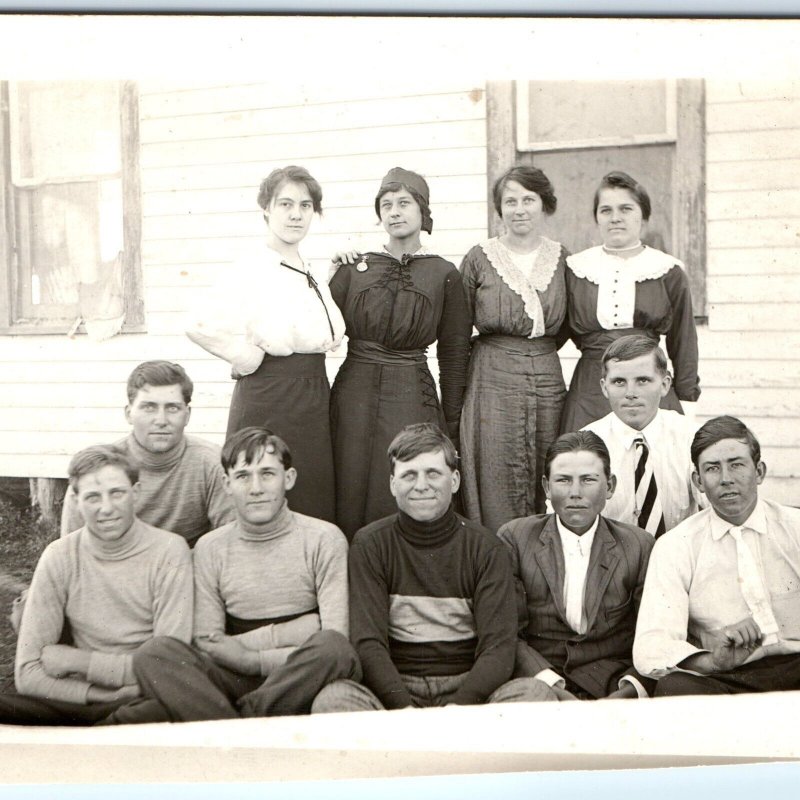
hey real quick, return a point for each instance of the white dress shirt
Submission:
(669, 438)
(260, 306)
(693, 587)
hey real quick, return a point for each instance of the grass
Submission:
(22, 538)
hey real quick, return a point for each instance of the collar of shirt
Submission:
(757, 521)
(571, 542)
(423, 251)
(651, 433)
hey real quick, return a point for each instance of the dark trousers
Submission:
(20, 709)
(190, 686)
(770, 674)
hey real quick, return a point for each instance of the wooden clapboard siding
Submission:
(750, 350)
(204, 150)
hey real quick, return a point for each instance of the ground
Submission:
(22, 539)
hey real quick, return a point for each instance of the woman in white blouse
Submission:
(623, 287)
(273, 319)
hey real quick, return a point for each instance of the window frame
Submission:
(133, 300)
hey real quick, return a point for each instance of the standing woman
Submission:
(395, 303)
(623, 287)
(273, 320)
(515, 391)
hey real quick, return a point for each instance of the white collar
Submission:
(568, 537)
(422, 251)
(651, 433)
(598, 266)
(757, 521)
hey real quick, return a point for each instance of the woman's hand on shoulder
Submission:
(341, 257)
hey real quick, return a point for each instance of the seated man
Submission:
(271, 613)
(181, 481)
(720, 612)
(649, 446)
(579, 577)
(432, 600)
(111, 586)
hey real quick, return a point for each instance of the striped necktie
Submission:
(647, 506)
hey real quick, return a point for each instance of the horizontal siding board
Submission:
(752, 145)
(732, 372)
(778, 173)
(729, 91)
(753, 115)
(761, 261)
(748, 344)
(753, 204)
(776, 317)
(753, 288)
(750, 402)
(755, 233)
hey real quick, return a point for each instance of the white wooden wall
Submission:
(750, 352)
(204, 151)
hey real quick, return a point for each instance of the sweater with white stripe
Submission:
(431, 599)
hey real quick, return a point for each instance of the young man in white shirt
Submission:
(579, 578)
(720, 612)
(649, 446)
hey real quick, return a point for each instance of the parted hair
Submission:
(626, 348)
(621, 180)
(577, 442)
(724, 427)
(254, 441)
(272, 183)
(424, 207)
(422, 437)
(533, 179)
(159, 373)
(94, 458)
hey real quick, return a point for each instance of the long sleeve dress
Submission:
(610, 297)
(393, 310)
(515, 387)
(274, 323)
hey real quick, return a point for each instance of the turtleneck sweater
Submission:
(181, 491)
(431, 599)
(114, 596)
(293, 566)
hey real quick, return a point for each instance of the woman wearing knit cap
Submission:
(517, 301)
(395, 303)
(273, 319)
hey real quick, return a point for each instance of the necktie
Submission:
(647, 505)
(753, 590)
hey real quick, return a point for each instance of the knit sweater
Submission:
(181, 491)
(293, 566)
(114, 595)
(431, 599)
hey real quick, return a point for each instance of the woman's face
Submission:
(290, 212)
(520, 209)
(619, 218)
(400, 215)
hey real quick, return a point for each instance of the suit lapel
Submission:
(550, 557)
(603, 561)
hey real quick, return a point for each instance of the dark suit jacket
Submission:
(618, 560)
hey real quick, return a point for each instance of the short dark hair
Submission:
(254, 442)
(274, 181)
(577, 442)
(94, 458)
(533, 179)
(159, 373)
(719, 428)
(621, 180)
(626, 348)
(422, 437)
(424, 208)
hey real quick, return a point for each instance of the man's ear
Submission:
(290, 478)
(127, 412)
(546, 486)
(697, 481)
(456, 481)
(666, 383)
(761, 472)
(612, 486)
(603, 387)
(226, 482)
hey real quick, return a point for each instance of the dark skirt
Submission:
(370, 404)
(512, 408)
(585, 401)
(290, 396)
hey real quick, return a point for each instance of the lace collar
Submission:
(526, 287)
(596, 265)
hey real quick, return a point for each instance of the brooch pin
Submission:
(362, 265)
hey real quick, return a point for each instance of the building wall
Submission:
(750, 351)
(204, 150)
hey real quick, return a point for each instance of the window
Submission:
(71, 205)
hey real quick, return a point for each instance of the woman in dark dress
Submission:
(624, 287)
(273, 320)
(395, 303)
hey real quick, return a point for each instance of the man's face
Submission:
(578, 488)
(158, 415)
(729, 478)
(634, 389)
(424, 486)
(259, 489)
(106, 498)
